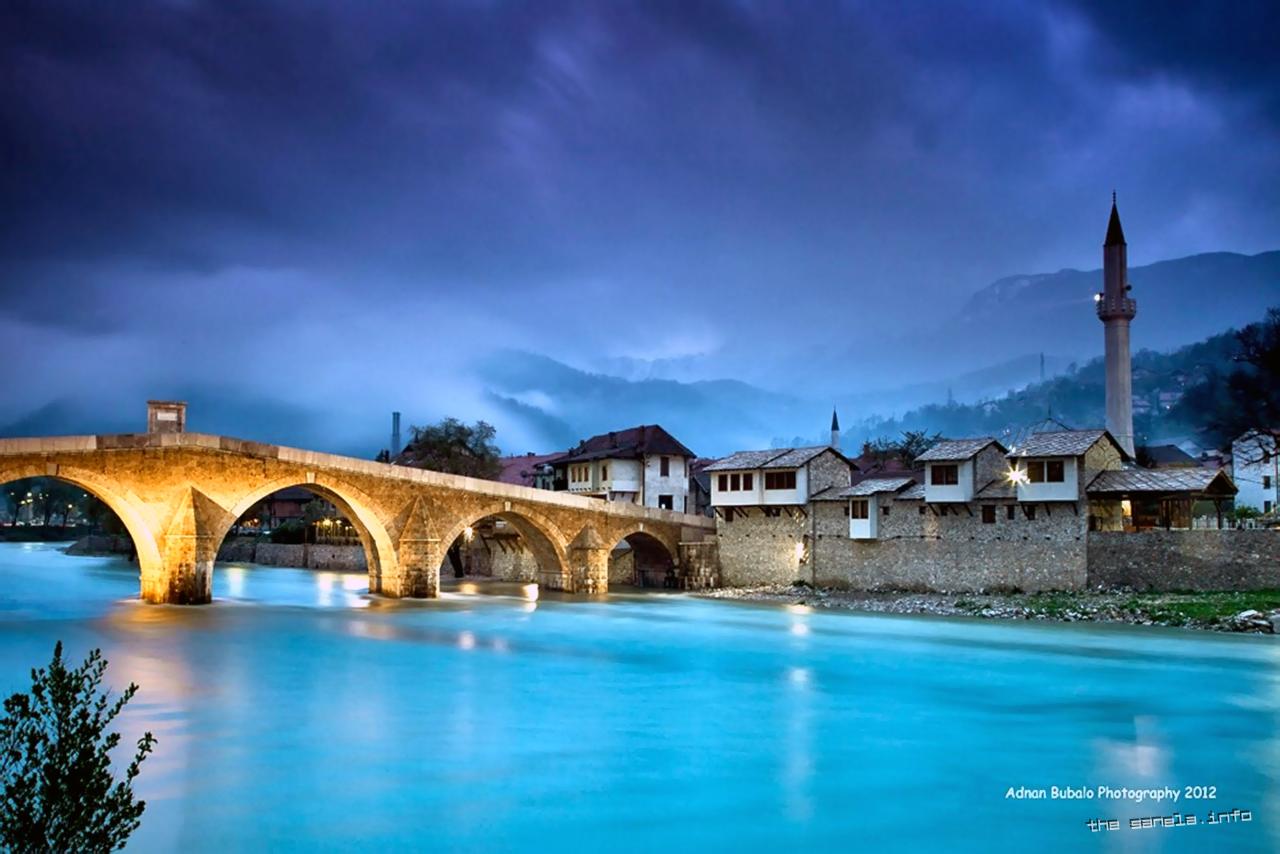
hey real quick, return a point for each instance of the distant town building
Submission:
(640, 465)
(1165, 457)
(532, 470)
(1255, 468)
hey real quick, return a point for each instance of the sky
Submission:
(338, 209)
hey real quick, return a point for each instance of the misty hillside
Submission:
(1179, 301)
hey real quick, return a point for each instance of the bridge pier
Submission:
(588, 563)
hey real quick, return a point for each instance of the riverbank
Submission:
(1255, 611)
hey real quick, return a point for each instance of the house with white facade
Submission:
(1255, 469)
(641, 465)
(1059, 465)
(780, 477)
(955, 469)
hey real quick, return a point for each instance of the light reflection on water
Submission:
(297, 712)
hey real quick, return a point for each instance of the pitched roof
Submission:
(521, 470)
(775, 458)
(1063, 443)
(915, 492)
(1167, 455)
(957, 450)
(632, 443)
(1190, 480)
(999, 488)
(870, 486)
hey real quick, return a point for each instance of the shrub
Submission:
(55, 766)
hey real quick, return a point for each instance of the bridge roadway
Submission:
(178, 494)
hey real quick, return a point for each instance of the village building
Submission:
(1255, 469)
(641, 465)
(533, 470)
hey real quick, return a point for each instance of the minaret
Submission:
(835, 429)
(1115, 310)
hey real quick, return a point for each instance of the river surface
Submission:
(298, 713)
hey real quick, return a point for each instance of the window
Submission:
(1266, 481)
(604, 472)
(748, 481)
(944, 475)
(858, 508)
(665, 502)
(988, 514)
(1010, 512)
(780, 480)
(735, 482)
(724, 483)
(1046, 471)
(664, 466)
(921, 509)
(1266, 506)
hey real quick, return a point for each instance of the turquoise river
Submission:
(298, 713)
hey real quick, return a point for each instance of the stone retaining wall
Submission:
(333, 558)
(1185, 560)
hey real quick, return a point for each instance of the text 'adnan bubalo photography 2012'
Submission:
(640, 426)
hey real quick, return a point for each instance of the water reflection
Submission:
(299, 712)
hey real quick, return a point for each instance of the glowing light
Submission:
(466, 640)
(1016, 476)
(800, 609)
(530, 592)
(468, 588)
(468, 532)
(1097, 297)
(800, 630)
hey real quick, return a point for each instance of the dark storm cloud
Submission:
(395, 182)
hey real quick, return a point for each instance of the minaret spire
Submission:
(835, 429)
(1116, 309)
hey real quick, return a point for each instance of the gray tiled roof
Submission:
(911, 493)
(870, 486)
(1115, 481)
(956, 450)
(777, 458)
(1000, 488)
(873, 485)
(1059, 443)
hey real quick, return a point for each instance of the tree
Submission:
(455, 448)
(55, 765)
(1246, 398)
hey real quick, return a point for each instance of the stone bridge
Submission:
(178, 494)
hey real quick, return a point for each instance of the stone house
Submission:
(640, 465)
(984, 517)
(762, 501)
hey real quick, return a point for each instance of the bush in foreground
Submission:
(55, 767)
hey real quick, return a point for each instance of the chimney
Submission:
(396, 446)
(166, 416)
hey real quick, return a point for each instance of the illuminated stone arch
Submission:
(541, 535)
(129, 509)
(355, 505)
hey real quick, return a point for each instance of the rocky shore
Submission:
(1257, 612)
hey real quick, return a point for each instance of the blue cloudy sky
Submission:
(337, 209)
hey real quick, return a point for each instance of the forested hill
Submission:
(1077, 399)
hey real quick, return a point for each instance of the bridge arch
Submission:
(128, 507)
(541, 535)
(649, 560)
(379, 550)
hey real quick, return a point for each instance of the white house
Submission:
(1255, 469)
(1058, 465)
(641, 465)
(777, 477)
(955, 469)
(868, 502)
